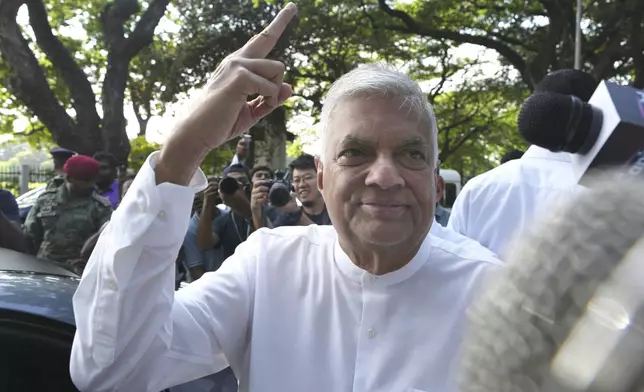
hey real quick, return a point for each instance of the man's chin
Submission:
(383, 235)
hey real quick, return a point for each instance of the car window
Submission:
(449, 196)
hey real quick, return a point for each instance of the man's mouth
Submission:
(384, 210)
(303, 193)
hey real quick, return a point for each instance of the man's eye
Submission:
(351, 152)
(413, 154)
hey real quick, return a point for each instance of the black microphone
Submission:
(606, 132)
(559, 122)
(566, 314)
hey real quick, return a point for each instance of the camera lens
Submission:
(279, 195)
(228, 186)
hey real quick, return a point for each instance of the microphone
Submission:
(566, 314)
(608, 131)
(559, 122)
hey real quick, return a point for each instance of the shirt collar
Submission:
(536, 152)
(357, 274)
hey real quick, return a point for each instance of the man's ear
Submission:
(320, 170)
(440, 187)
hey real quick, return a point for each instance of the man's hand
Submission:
(290, 207)
(211, 195)
(259, 196)
(222, 110)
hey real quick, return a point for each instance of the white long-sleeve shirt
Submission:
(288, 311)
(497, 206)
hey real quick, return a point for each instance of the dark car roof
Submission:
(35, 286)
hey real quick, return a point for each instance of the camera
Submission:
(279, 193)
(229, 185)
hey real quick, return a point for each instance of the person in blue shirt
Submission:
(9, 206)
(198, 261)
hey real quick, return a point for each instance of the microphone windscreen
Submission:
(529, 313)
(569, 82)
(551, 121)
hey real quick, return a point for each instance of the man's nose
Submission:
(384, 173)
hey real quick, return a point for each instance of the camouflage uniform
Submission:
(55, 182)
(58, 225)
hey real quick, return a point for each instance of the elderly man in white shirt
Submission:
(372, 303)
(497, 206)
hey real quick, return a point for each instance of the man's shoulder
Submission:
(504, 173)
(6, 196)
(48, 195)
(286, 239)
(313, 234)
(464, 251)
(100, 201)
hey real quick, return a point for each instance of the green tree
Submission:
(534, 37)
(330, 38)
(51, 77)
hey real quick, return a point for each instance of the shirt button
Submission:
(371, 333)
(162, 215)
(111, 285)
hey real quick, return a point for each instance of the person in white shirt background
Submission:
(371, 303)
(497, 206)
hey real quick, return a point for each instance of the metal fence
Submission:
(21, 179)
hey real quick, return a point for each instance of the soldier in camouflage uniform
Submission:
(60, 157)
(64, 218)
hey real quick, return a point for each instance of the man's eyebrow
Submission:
(415, 142)
(350, 139)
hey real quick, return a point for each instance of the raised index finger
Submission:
(261, 44)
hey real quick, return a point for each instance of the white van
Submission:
(452, 180)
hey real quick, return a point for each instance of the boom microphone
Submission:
(606, 132)
(567, 312)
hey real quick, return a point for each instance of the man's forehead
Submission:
(302, 172)
(378, 119)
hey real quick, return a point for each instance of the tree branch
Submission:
(144, 30)
(28, 81)
(637, 45)
(83, 98)
(411, 27)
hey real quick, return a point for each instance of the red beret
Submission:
(82, 167)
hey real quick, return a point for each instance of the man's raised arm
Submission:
(133, 332)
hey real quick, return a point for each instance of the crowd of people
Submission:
(68, 217)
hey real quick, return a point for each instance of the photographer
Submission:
(313, 210)
(231, 229)
(263, 212)
(198, 262)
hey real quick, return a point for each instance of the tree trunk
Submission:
(270, 146)
(87, 133)
(115, 139)
(28, 81)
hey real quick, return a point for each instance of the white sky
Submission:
(159, 127)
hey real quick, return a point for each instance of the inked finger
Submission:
(261, 44)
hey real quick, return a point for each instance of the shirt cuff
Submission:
(147, 202)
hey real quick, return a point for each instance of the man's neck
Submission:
(244, 213)
(380, 260)
(316, 208)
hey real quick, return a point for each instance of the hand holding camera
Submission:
(259, 195)
(211, 195)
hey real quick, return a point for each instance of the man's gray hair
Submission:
(378, 80)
